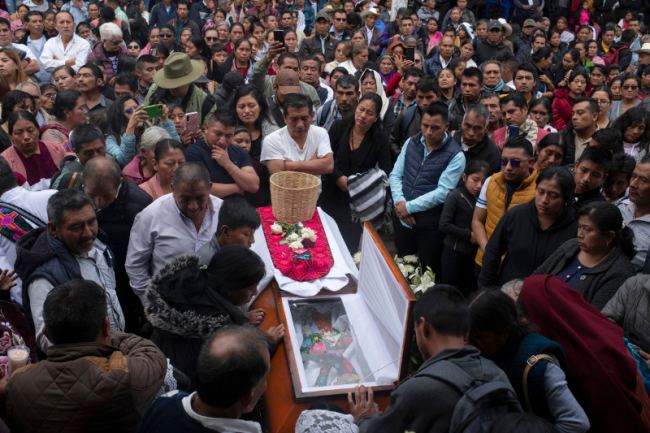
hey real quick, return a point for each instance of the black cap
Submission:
(494, 24)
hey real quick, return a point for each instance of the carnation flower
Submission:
(276, 229)
(293, 238)
(411, 259)
(308, 233)
(295, 245)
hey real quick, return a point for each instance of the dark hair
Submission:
(630, 117)
(312, 58)
(126, 63)
(191, 173)
(600, 68)
(603, 89)
(427, 84)
(250, 90)
(13, 99)
(285, 56)
(574, 53)
(82, 24)
(74, 311)
(471, 42)
(454, 63)
(99, 118)
(224, 376)
(346, 81)
(97, 73)
(30, 14)
(547, 106)
(412, 72)
(377, 129)
(127, 79)
(473, 73)
(519, 142)
(597, 155)
(525, 67)
(118, 120)
(201, 46)
(297, 101)
(591, 102)
(614, 67)
(521, 423)
(437, 109)
(623, 163)
(224, 116)
(354, 19)
(65, 100)
(84, 134)
(7, 177)
(516, 98)
(161, 50)
(217, 48)
(444, 308)
(169, 27)
(607, 218)
(627, 36)
(236, 213)
(477, 165)
(67, 199)
(610, 139)
(542, 54)
(563, 178)
(182, 2)
(164, 146)
(552, 139)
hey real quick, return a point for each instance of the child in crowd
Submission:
(591, 168)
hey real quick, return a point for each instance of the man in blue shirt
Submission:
(426, 171)
(230, 167)
(161, 13)
(78, 9)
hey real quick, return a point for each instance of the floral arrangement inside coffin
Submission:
(296, 236)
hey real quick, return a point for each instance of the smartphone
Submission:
(278, 36)
(153, 51)
(192, 121)
(154, 111)
(409, 53)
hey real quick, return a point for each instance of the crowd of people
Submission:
(506, 144)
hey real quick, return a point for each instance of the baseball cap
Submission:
(323, 15)
(494, 24)
(232, 80)
(530, 23)
(287, 81)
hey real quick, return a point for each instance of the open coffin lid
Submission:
(367, 334)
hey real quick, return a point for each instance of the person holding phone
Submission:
(178, 117)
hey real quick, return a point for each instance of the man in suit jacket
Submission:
(371, 32)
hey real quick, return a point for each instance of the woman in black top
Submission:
(359, 143)
(460, 245)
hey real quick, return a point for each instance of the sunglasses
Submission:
(133, 47)
(211, 38)
(513, 162)
(630, 87)
(166, 36)
(341, 19)
(131, 110)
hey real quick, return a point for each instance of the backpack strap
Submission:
(531, 362)
(324, 111)
(454, 376)
(207, 105)
(408, 118)
(153, 191)
(31, 217)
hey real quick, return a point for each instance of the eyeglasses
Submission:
(513, 162)
(166, 36)
(133, 47)
(630, 87)
(211, 38)
(603, 102)
(340, 19)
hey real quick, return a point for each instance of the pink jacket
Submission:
(499, 136)
(11, 155)
(132, 170)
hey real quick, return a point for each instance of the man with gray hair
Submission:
(176, 223)
(474, 140)
(109, 51)
(117, 201)
(71, 246)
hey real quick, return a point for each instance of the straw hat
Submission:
(507, 29)
(178, 71)
(644, 49)
(371, 11)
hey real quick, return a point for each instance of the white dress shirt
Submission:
(78, 48)
(36, 204)
(161, 232)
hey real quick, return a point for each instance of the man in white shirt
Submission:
(299, 146)
(19, 199)
(29, 63)
(67, 48)
(177, 223)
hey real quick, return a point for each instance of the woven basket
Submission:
(294, 196)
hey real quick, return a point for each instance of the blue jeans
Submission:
(11, 6)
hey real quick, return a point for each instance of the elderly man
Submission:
(93, 378)
(29, 63)
(67, 48)
(492, 81)
(117, 201)
(230, 167)
(299, 146)
(28, 210)
(371, 32)
(474, 140)
(110, 50)
(234, 355)
(177, 223)
(174, 82)
(71, 246)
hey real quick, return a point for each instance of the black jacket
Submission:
(275, 112)
(458, 111)
(397, 137)
(312, 45)
(199, 8)
(569, 140)
(588, 197)
(485, 149)
(518, 233)
(456, 221)
(598, 284)
(518, 41)
(624, 56)
(486, 51)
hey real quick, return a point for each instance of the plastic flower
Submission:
(411, 259)
(293, 238)
(276, 229)
(295, 245)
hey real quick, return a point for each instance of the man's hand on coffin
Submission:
(255, 317)
(363, 403)
(275, 334)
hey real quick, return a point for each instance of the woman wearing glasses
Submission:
(603, 96)
(545, 223)
(134, 49)
(630, 91)
(109, 49)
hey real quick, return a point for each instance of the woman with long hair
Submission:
(616, 87)
(447, 85)
(169, 154)
(253, 112)
(69, 111)
(467, 50)
(142, 167)
(359, 143)
(565, 97)
(630, 91)
(433, 35)
(558, 47)
(545, 222)
(11, 68)
(597, 262)
(634, 126)
(189, 302)
(503, 337)
(31, 158)
(126, 124)
(259, 32)
(570, 64)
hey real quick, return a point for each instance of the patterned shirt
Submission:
(399, 105)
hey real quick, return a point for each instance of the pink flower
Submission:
(5, 342)
(318, 348)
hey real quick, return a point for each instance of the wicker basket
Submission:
(294, 196)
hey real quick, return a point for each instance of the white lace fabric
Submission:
(325, 421)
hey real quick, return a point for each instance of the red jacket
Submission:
(499, 136)
(562, 109)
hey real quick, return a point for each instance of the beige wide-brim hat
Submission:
(507, 29)
(371, 11)
(178, 71)
(644, 49)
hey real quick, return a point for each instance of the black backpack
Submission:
(73, 178)
(484, 399)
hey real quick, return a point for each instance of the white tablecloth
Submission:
(335, 280)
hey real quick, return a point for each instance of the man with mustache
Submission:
(636, 211)
(70, 246)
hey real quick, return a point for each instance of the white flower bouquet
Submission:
(296, 236)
